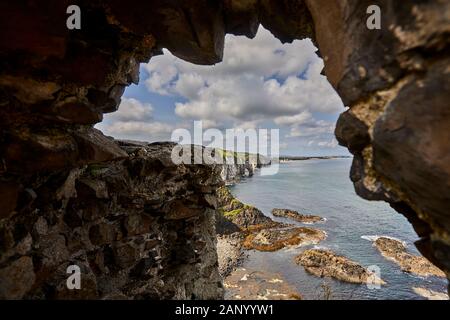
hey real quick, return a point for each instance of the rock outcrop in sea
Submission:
(139, 227)
(277, 238)
(395, 251)
(245, 284)
(295, 215)
(325, 263)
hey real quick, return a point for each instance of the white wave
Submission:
(321, 221)
(376, 237)
(318, 247)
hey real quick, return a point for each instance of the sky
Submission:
(260, 84)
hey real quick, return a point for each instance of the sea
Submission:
(323, 187)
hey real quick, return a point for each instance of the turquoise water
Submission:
(322, 187)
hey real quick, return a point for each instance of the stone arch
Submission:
(55, 84)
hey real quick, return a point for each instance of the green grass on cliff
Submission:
(232, 214)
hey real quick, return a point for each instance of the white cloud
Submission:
(312, 128)
(132, 110)
(332, 143)
(260, 82)
(300, 118)
(137, 130)
(134, 120)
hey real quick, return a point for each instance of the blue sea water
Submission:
(323, 187)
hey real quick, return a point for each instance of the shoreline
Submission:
(244, 262)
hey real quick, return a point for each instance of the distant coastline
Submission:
(300, 158)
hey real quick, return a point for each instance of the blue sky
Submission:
(261, 84)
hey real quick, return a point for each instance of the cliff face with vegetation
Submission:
(55, 84)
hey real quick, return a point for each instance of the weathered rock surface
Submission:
(275, 239)
(229, 252)
(245, 284)
(325, 263)
(139, 227)
(295, 215)
(56, 83)
(430, 294)
(242, 216)
(395, 251)
(396, 83)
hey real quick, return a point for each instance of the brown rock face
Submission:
(396, 82)
(120, 222)
(55, 84)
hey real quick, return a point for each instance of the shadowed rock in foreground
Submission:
(134, 228)
(325, 263)
(395, 250)
(244, 284)
(295, 215)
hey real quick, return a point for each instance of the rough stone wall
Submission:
(396, 83)
(55, 84)
(140, 228)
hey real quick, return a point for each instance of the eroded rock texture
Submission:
(55, 84)
(396, 82)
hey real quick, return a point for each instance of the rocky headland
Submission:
(325, 263)
(295, 215)
(238, 165)
(395, 251)
(245, 217)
